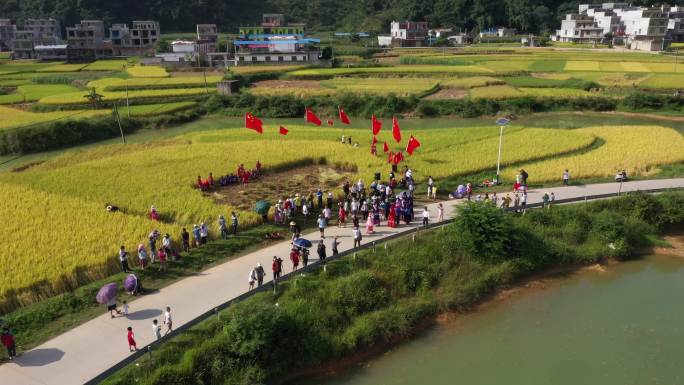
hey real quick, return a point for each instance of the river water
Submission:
(621, 326)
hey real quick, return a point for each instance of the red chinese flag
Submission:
(375, 140)
(311, 117)
(385, 147)
(253, 123)
(283, 130)
(343, 115)
(390, 157)
(396, 132)
(413, 143)
(376, 125)
(330, 122)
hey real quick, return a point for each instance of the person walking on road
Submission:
(516, 201)
(321, 225)
(523, 201)
(440, 212)
(156, 330)
(276, 267)
(566, 177)
(251, 279)
(305, 257)
(357, 236)
(260, 273)
(123, 258)
(168, 321)
(294, 257)
(9, 343)
(545, 200)
(426, 216)
(321, 250)
(335, 243)
(131, 340)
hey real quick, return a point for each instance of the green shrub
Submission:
(485, 231)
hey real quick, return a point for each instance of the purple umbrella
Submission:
(131, 282)
(106, 293)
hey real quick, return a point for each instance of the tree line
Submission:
(537, 16)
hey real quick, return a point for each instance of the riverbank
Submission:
(384, 295)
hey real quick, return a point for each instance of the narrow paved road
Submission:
(87, 350)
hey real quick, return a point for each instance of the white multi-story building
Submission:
(579, 28)
(644, 28)
(639, 28)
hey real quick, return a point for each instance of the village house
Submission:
(275, 41)
(409, 33)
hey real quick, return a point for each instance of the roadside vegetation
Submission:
(383, 295)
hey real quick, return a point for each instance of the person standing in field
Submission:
(166, 244)
(319, 198)
(142, 256)
(234, 222)
(566, 177)
(156, 330)
(223, 227)
(152, 238)
(168, 321)
(204, 233)
(185, 236)
(260, 274)
(9, 343)
(162, 259)
(131, 340)
(123, 258)
(196, 235)
(329, 202)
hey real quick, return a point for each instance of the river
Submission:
(621, 326)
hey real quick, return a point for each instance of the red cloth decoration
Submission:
(253, 123)
(343, 115)
(283, 130)
(311, 117)
(385, 147)
(413, 143)
(375, 140)
(396, 132)
(376, 125)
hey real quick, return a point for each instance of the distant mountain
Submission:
(342, 15)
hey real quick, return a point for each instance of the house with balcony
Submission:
(138, 40)
(644, 28)
(274, 42)
(7, 32)
(409, 33)
(579, 28)
(86, 41)
(22, 45)
(45, 31)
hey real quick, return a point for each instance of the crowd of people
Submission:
(242, 175)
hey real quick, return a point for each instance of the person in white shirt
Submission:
(566, 177)
(156, 329)
(357, 236)
(426, 216)
(168, 321)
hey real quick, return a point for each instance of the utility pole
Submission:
(128, 107)
(206, 89)
(118, 120)
(502, 122)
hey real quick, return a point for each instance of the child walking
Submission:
(131, 340)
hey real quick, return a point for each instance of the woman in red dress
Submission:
(341, 217)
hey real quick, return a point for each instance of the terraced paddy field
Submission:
(162, 171)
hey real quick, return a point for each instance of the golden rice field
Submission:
(118, 84)
(13, 117)
(637, 149)
(135, 176)
(470, 82)
(79, 97)
(106, 65)
(147, 72)
(495, 92)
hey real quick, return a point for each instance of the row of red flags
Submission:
(254, 123)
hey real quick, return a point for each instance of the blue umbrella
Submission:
(301, 242)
